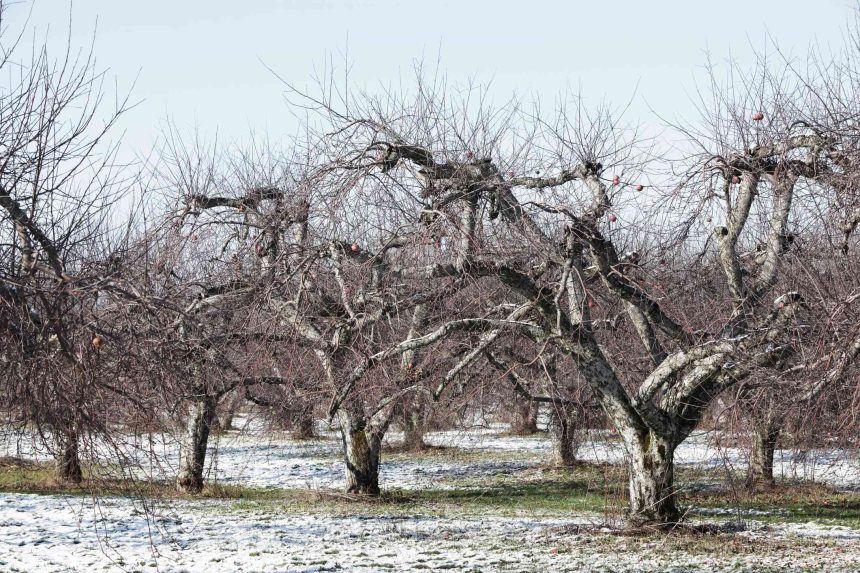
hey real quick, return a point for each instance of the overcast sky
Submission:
(204, 62)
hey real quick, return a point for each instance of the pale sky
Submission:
(202, 62)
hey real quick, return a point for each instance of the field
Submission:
(478, 500)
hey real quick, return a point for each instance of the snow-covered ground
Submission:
(63, 534)
(41, 534)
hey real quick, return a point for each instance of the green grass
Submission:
(534, 497)
(18, 474)
(24, 476)
(793, 503)
(585, 488)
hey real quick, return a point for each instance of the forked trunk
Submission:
(765, 438)
(361, 454)
(525, 415)
(68, 459)
(564, 444)
(192, 450)
(650, 460)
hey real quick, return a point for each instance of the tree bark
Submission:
(192, 450)
(414, 427)
(226, 412)
(414, 421)
(650, 460)
(525, 415)
(361, 449)
(564, 422)
(303, 426)
(765, 438)
(68, 459)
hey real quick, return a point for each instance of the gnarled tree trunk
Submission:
(650, 462)
(765, 438)
(361, 448)
(564, 444)
(192, 449)
(68, 462)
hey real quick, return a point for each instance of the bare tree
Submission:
(58, 190)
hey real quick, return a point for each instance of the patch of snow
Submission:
(40, 534)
